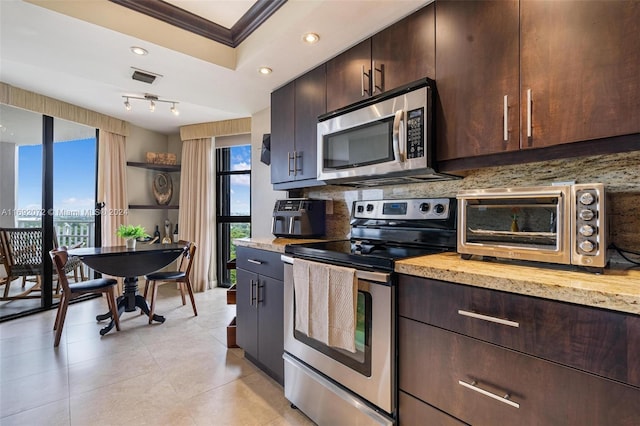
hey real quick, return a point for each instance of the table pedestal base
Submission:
(128, 302)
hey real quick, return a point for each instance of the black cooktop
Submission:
(368, 256)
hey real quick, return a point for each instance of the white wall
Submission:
(263, 197)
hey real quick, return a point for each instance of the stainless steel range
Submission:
(334, 386)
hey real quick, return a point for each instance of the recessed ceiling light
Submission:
(138, 50)
(265, 70)
(310, 38)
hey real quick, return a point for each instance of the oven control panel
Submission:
(408, 209)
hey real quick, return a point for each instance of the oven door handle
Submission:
(377, 277)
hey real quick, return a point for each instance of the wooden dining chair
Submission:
(181, 276)
(105, 286)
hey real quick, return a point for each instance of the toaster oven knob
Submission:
(439, 208)
(369, 207)
(424, 207)
(587, 198)
(360, 209)
(586, 230)
(587, 246)
(586, 214)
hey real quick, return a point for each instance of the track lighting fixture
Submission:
(152, 99)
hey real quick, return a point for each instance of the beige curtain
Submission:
(196, 218)
(112, 185)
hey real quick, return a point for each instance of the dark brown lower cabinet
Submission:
(415, 412)
(484, 384)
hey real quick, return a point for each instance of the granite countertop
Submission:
(618, 288)
(272, 244)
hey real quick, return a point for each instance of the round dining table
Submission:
(129, 263)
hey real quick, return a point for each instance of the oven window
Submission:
(370, 143)
(359, 361)
(519, 222)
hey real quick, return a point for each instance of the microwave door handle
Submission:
(396, 136)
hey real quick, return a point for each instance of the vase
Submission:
(131, 243)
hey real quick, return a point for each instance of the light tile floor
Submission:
(176, 373)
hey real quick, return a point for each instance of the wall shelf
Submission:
(152, 207)
(158, 167)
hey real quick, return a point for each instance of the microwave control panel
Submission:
(415, 133)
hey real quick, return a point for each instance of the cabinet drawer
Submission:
(434, 362)
(415, 412)
(591, 339)
(262, 262)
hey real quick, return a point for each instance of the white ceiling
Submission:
(90, 66)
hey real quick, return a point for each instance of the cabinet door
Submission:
(405, 51)
(477, 65)
(271, 324)
(345, 82)
(247, 312)
(282, 133)
(433, 362)
(581, 61)
(310, 102)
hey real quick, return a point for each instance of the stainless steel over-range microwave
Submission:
(386, 139)
(565, 224)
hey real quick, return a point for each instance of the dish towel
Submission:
(343, 298)
(326, 303)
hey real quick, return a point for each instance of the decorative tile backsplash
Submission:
(619, 172)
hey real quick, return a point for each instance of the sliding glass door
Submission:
(47, 198)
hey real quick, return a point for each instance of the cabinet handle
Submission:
(374, 86)
(504, 399)
(373, 77)
(289, 158)
(505, 123)
(297, 155)
(362, 89)
(258, 287)
(255, 262)
(251, 297)
(529, 108)
(488, 318)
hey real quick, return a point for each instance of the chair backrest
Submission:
(59, 256)
(186, 261)
(22, 250)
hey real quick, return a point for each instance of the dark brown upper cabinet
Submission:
(399, 54)
(515, 75)
(295, 108)
(476, 74)
(581, 62)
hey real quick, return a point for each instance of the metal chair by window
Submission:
(22, 254)
(73, 290)
(181, 276)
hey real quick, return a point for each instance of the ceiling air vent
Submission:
(144, 76)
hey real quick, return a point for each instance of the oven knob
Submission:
(360, 209)
(424, 207)
(369, 207)
(587, 198)
(586, 214)
(586, 230)
(439, 208)
(587, 246)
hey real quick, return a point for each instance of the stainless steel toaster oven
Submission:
(564, 224)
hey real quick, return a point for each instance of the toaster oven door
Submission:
(526, 225)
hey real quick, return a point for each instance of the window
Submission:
(233, 217)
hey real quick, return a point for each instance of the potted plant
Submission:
(130, 233)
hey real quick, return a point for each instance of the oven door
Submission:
(370, 372)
